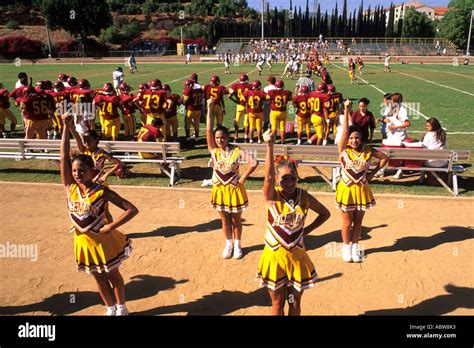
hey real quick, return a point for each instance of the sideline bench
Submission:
(327, 156)
(126, 151)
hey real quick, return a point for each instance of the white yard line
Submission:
(407, 106)
(437, 84)
(442, 72)
(381, 91)
(432, 82)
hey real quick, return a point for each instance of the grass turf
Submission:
(441, 91)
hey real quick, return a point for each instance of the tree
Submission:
(391, 18)
(80, 18)
(400, 23)
(344, 27)
(455, 23)
(417, 24)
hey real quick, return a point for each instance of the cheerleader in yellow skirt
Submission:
(285, 268)
(99, 248)
(229, 197)
(353, 194)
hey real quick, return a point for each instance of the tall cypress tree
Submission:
(390, 24)
(318, 20)
(369, 22)
(400, 22)
(344, 19)
(325, 29)
(360, 19)
(335, 19)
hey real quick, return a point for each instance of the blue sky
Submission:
(351, 4)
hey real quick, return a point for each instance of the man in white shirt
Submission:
(386, 65)
(22, 80)
(117, 78)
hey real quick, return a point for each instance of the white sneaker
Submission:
(325, 142)
(122, 310)
(237, 252)
(227, 253)
(111, 311)
(379, 174)
(398, 175)
(346, 252)
(356, 254)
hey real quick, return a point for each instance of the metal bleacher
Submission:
(362, 46)
(229, 47)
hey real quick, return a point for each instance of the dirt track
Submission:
(419, 258)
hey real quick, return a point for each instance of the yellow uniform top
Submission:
(355, 165)
(87, 213)
(226, 166)
(99, 159)
(285, 220)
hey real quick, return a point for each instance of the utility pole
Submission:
(469, 37)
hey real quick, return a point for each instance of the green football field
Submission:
(442, 91)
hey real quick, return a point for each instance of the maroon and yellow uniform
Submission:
(148, 133)
(278, 100)
(300, 102)
(35, 110)
(192, 99)
(17, 93)
(238, 90)
(94, 251)
(254, 100)
(108, 106)
(153, 102)
(319, 103)
(171, 114)
(216, 93)
(128, 114)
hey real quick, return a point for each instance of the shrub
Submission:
(20, 46)
(111, 35)
(132, 9)
(130, 31)
(13, 25)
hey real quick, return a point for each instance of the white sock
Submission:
(228, 242)
(237, 244)
(299, 141)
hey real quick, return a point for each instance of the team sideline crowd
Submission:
(69, 107)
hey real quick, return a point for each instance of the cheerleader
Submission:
(229, 197)
(285, 268)
(89, 145)
(353, 194)
(99, 248)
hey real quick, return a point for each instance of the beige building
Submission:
(432, 12)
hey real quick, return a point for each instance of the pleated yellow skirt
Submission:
(100, 252)
(229, 198)
(286, 267)
(354, 197)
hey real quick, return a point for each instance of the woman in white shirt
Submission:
(434, 139)
(397, 122)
